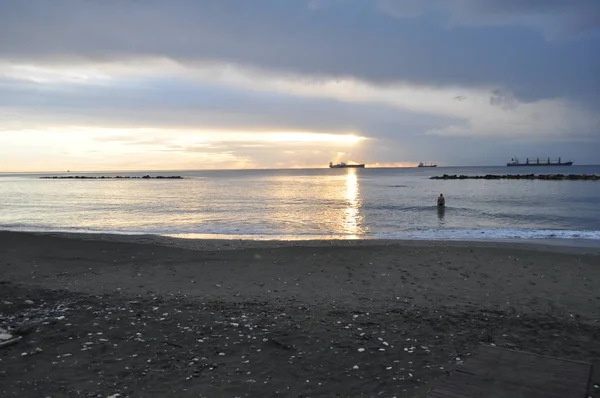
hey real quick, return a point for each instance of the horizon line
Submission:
(247, 169)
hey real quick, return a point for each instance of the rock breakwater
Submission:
(146, 177)
(548, 177)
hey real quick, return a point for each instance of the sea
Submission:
(302, 204)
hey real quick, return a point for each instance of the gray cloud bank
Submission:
(500, 44)
(555, 18)
(181, 104)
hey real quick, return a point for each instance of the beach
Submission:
(151, 316)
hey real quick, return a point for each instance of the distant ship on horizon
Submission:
(548, 162)
(421, 164)
(343, 165)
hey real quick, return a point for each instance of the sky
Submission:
(89, 85)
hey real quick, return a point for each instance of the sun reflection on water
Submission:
(352, 222)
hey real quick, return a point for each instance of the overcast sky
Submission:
(194, 84)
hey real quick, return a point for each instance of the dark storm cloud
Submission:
(559, 16)
(506, 49)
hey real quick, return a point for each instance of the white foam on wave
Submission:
(495, 234)
(489, 234)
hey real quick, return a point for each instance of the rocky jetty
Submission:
(548, 177)
(146, 177)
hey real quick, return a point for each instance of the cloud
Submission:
(555, 18)
(423, 80)
(336, 39)
(235, 98)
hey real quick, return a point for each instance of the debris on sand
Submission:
(10, 341)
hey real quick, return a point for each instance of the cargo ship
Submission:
(536, 162)
(343, 165)
(426, 165)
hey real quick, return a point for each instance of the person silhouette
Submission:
(441, 201)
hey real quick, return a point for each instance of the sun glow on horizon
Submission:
(309, 137)
(86, 148)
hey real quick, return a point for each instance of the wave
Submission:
(493, 234)
(475, 234)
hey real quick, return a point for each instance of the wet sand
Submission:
(145, 316)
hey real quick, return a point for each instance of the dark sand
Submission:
(157, 317)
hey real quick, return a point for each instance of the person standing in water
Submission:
(441, 201)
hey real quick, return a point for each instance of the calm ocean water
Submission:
(307, 204)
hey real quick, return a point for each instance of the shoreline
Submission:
(154, 316)
(564, 245)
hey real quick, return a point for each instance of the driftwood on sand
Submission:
(10, 342)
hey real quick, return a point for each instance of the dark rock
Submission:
(545, 177)
(25, 329)
(146, 177)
